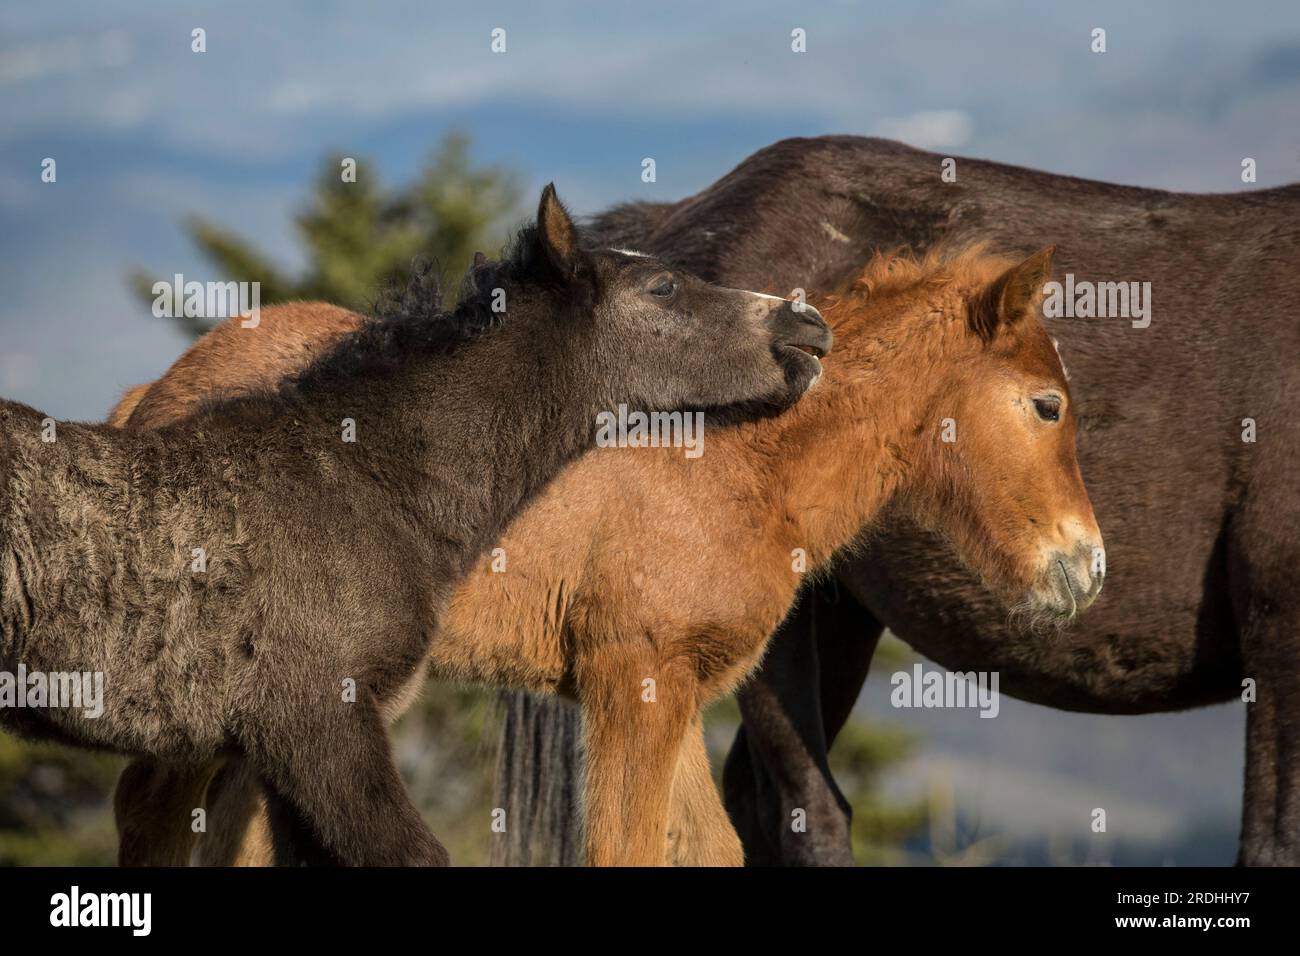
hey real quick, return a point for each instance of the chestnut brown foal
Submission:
(645, 583)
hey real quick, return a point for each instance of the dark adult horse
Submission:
(1203, 527)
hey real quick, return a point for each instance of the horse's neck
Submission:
(465, 440)
(846, 449)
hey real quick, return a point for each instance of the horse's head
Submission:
(654, 337)
(1000, 478)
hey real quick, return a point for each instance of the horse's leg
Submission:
(699, 830)
(1270, 829)
(154, 804)
(792, 708)
(249, 825)
(292, 841)
(239, 826)
(330, 763)
(635, 714)
(1264, 553)
(847, 635)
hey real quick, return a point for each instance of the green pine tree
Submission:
(360, 236)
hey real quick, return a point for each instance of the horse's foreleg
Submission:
(250, 826)
(330, 764)
(1270, 831)
(777, 781)
(699, 831)
(635, 713)
(153, 805)
(239, 826)
(1263, 555)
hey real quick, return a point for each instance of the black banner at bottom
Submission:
(372, 905)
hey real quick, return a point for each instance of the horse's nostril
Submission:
(810, 313)
(1095, 557)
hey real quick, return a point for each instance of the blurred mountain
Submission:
(1031, 777)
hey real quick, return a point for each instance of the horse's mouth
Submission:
(1069, 587)
(1049, 606)
(802, 364)
(816, 351)
(799, 348)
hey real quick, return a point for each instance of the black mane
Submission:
(410, 320)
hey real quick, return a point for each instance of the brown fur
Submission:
(121, 412)
(289, 336)
(587, 608)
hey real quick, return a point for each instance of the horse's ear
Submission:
(557, 233)
(1011, 296)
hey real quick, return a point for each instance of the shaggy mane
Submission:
(411, 320)
(898, 270)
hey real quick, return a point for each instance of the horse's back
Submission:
(235, 359)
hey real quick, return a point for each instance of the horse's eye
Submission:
(662, 287)
(1048, 409)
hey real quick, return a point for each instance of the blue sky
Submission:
(146, 132)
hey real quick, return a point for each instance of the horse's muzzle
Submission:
(798, 325)
(801, 338)
(1077, 577)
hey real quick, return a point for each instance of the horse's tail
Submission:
(539, 782)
